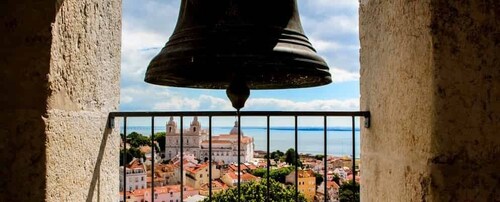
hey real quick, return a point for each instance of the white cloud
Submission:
(333, 25)
(332, 4)
(340, 75)
(322, 45)
(177, 104)
(216, 103)
(313, 105)
(133, 40)
(201, 103)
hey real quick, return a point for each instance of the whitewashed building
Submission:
(224, 146)
(136, 175)
(192, 138)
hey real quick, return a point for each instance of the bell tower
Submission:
(171, 127)
(195, 126)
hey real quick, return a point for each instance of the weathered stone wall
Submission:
(25, 40)
(430, 77)
(59, 79)
(465, 165)
(396, 87)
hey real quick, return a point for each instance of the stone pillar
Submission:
(59, 78)
(430, 75)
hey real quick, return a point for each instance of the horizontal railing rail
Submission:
(210, 114)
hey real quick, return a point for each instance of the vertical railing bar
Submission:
(325, 164)
(239, 156)
(353, 154)
(296, 161)
(210, 157)
(124, 159)
(268, 158)
(181, 155)
(152, 158)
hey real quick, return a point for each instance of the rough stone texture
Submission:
(25, 40)
(60, 79)
(430, 77)
(466, 155)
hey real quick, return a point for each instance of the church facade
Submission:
(196, 142)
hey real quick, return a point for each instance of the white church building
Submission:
(196, 142)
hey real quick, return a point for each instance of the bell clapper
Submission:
(238, 93)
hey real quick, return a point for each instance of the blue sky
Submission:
(331, 25)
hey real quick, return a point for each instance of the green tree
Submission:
(160, 138)
(279, 174)
(259, 172)
(136, 140)
(257, 192)
(336, 178)
(319, 157)
(276, 155)
(349, 192)
(130, 154)
(319, 178)
(291, 157)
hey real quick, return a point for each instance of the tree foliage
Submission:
(280, 174)
(131, 153)
(275, 174)
(319, 156)
(276, 155)
(257, 192)
(349, 192)
(319, 178)
(136, 140)
(336, 178)
(259, 172)
(160, 138)
(292, 158)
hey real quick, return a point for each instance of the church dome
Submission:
(234, 130)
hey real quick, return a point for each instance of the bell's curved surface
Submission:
(216, 42)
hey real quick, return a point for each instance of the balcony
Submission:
(241, 167)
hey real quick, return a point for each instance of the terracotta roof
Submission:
(303, 173)
(197, 168)
(145, 149)
(159, 190)
(135, 164)
(244, 176)
(251, 166)
(332, 184)
(216, 184)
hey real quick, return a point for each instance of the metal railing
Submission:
(267, 114)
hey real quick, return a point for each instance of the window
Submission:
(156, 196)
(142, 178)
(201, 175)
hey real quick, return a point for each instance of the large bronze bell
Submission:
(255, 43)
